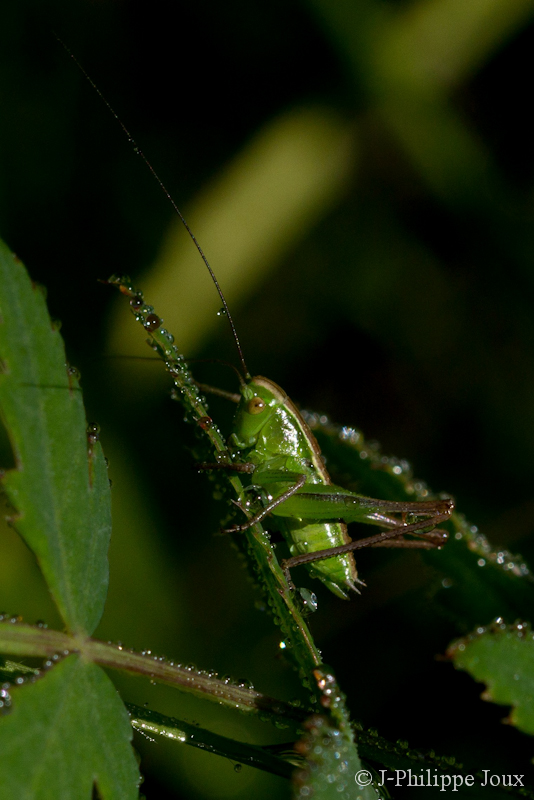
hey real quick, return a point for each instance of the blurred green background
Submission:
(360, 174)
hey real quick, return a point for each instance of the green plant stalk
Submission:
(149, 722)
(17, 638)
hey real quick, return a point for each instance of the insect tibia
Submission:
(301, 480)
(443, 507)
(431, 540)
(232, 466)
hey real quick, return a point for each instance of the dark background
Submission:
(404, 309)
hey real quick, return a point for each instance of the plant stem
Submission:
(26, 640)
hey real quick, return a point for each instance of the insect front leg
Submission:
(301, 480)
(248, 467)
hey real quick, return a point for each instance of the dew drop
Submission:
(73, 372)
(309, 600)
(244, 683)
(93, 432)
(152, 322)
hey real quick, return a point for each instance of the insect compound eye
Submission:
(256, 405)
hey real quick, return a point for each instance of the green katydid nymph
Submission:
(272, 444)
(310, 511)
(273, 447)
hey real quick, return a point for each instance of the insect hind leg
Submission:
(390, 538)
(428, 541)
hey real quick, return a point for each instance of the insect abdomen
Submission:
(337, 573)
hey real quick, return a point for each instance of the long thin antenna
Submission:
(167, 194)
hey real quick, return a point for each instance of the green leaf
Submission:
(333, 770)
(477, 582)
(59, 488)
(65, 733)
(502, 657)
